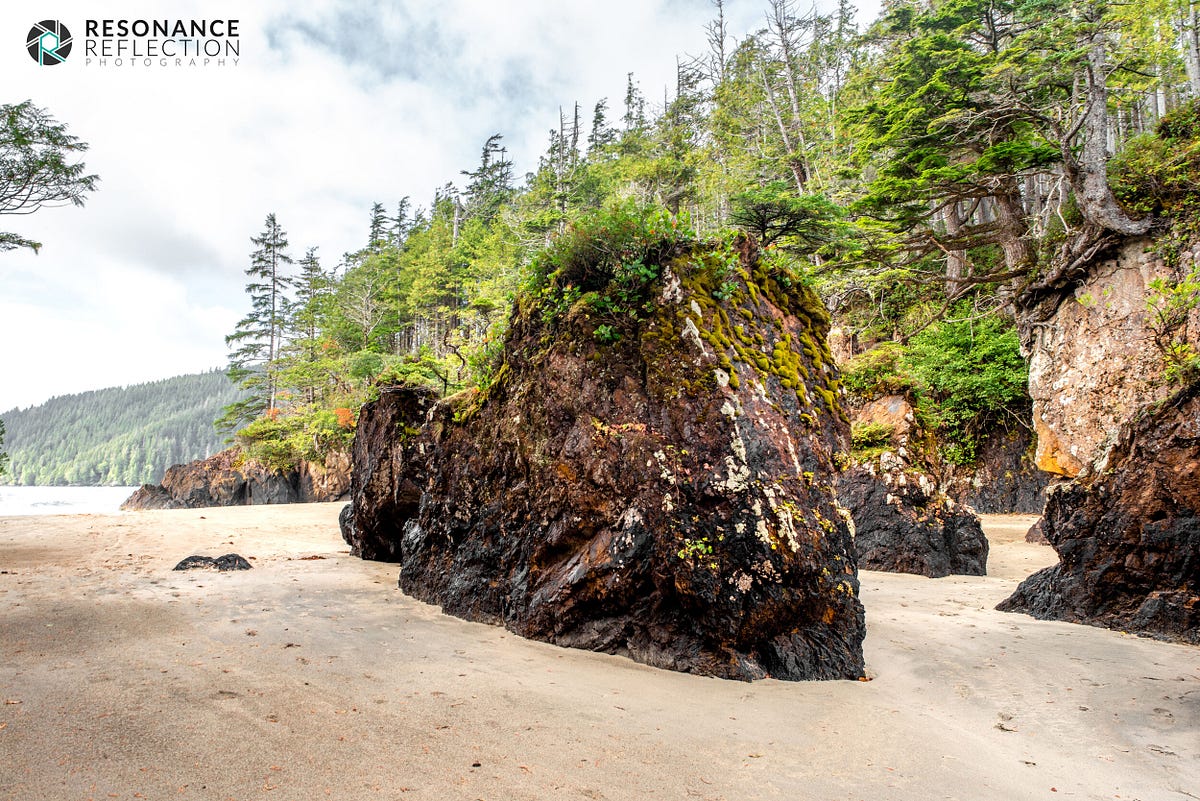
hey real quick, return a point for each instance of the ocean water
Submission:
(61, 500)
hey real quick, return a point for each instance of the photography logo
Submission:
(49, 42)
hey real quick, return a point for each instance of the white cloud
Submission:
(334, 105)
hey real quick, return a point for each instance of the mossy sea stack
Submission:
(649, 472)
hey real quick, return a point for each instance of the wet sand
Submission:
(313, 677)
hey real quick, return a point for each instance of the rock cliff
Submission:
(228, 479)
(657, 485)
(1128, 535)
(1092, 359)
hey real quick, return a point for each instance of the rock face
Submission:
(904, 520)
(904, 524)
(666, 496)
(1128, 537)
(1092, 362)
(224, 479)
(1004, 478)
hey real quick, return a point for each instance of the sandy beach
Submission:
(312, 677)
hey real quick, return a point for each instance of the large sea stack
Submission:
(649, 472)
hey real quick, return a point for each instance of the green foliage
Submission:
(282, 442)
(605, 334)
(1170, 305)
(1159, 174)
(120, 436)
(607, 259)
(607, 246)
(36, 171)
(877, 372)
(695, 549)
(773, 213)
(971, 373)
(870, 435)
(965, 376)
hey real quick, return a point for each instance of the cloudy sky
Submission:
(334, 105)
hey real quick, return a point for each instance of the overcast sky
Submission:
(334, 105)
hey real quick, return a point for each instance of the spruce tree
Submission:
(259, 335)
(377, 236)
(303, 371)
(3, 455)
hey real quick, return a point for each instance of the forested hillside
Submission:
(924, 174)
(117, 436)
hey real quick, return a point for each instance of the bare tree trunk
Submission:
(797, 171)
(1010, 215)
(957, 263)
(780, 14)
(1191, 47)
(717, 32)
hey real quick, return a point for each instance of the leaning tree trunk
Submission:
(957, 261)
(1088, 171)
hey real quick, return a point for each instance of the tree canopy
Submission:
(925, 174)
(38, 167)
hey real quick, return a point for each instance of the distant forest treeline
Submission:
(117, 436)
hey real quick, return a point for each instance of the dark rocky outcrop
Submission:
(1003, 479)
(1128, 535)
(666, 496)
(229, 479)
(230, 561)
(904, 521)
(1036, 534)
(904, 524)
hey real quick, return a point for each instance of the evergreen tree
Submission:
(259, 335)
(305, 363)
(3, 455)
(378, 235)
(401, 224)
(35, 171)
(489, 186)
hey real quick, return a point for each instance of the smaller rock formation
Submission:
(1128, 535)
(229, 479)
(1036, 535)
(904, 522)
(230, 561)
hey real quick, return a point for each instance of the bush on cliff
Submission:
(966, 375)
(282, 442)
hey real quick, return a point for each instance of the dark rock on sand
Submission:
(1128, 534)
(904, 524)
(667, 495)
(230, 561)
